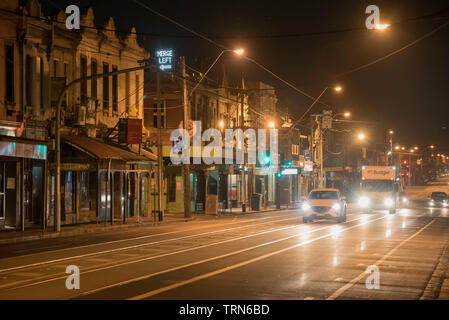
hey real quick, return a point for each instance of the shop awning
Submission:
(97, 148)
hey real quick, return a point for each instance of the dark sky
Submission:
(408, 92)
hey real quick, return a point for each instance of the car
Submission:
(438, 199)
(324, 204)
(403, 200)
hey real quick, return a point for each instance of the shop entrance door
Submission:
(11, 187)
(105, 199)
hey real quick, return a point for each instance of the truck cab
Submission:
(379, 188)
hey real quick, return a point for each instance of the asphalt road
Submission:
(262, 256)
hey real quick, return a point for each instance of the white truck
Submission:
(379, 188)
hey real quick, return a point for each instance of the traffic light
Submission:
(267, 160)
(288, 163)
(279, 175)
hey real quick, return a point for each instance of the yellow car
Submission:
(324, 204)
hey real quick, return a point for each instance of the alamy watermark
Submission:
(254, 144)
(73, 280)
(372, 282)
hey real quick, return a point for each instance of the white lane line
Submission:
(351, 283)
(136, 246)
(158, 256)
(244, 263)
(290, 213)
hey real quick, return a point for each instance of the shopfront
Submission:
(22, 183)
(102, 183)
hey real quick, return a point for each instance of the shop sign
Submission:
(22, 150)
(130, 131)
(75, 166)
(308, 167)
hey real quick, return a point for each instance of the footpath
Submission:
(8, 237)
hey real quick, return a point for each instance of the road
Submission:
(261, 256)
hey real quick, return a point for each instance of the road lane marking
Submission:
(203, 261)
(351, 283)
(136, 246)
(241, 264)
(99, 268)
(289, 213)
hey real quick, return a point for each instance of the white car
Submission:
(324, 204)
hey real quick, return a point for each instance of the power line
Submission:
(394, 52)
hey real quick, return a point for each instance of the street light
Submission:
(271, 124)
(238, 52)
(382, 26)
(361, 136)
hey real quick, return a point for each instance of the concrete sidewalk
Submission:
(80, 229)
(7, 237)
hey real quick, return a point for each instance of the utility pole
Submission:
(244, 162)
(320, 128)
(186, 167)
(160, 164)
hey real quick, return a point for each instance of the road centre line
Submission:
(108, 266)
(210, 259)
(241, 264)
(351, 283)
(137, 246)
(291, 213)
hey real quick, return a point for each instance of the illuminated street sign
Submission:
(165, 59)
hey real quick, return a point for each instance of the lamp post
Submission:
(237, 52)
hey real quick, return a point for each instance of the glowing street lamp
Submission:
(347, 114)
(382, 26)
(271, 124)
(338, 89)
(361, 136)
(221, 124)
(397, 148)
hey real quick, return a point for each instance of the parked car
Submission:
(324, 204)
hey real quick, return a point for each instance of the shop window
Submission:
(172, 188)
(84, 191)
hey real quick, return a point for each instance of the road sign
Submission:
(307, 155)
(327, 119)
(165, 59)
(308, 167)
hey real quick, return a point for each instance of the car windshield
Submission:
(377, 186)
(438, 195)
(323, 195)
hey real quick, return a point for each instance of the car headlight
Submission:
(404, 200)
(388, 202)
(364, 202)
(431, 202)
(305, 207)
(336, 206)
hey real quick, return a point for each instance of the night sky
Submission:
(308, 44)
